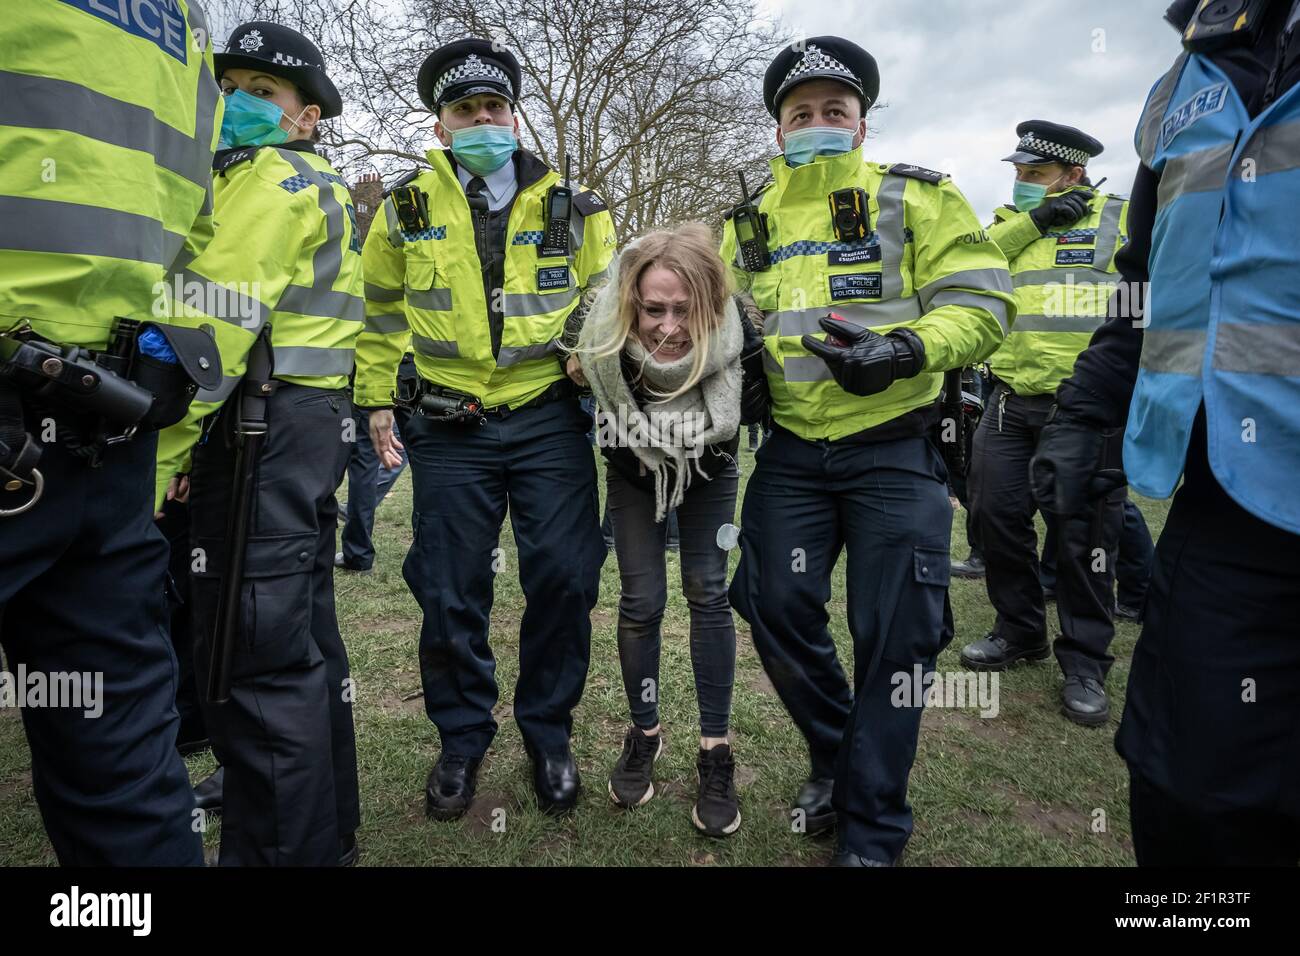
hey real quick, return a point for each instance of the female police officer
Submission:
(282, 274)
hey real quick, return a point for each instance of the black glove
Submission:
(1067, 472)
(869, 362)
(754, 394)
(1063, 210)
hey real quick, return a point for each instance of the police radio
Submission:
(558, 213)
(1217, 23)
(412, 208)
(751, 232)
(850, 214)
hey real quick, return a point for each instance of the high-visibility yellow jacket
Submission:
(1063, 280)
(286, 251)
(109, 116)
(927, 265)
(425, 290)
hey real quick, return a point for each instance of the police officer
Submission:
(1060, 237)
(918, 288)
(281, 283)
(1209, 726)
(478, 261)
(107, 129)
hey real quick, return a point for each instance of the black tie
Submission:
(474, 193)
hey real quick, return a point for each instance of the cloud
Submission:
(958, 76)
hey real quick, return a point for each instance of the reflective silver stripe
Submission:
(435, 348)
(1058, 323)
(378, 293)
(1278, 149)
(972, 280)
(311, 360)
(890, 228)
(1258, 349)
(221, 392)
(1062, 275)
(387, 324)
(770, 364)
(1107, 234)
(577, 229)
(205, 107)
(432, 300)
(1154, 116)
(48, 225)
(327, 260)
(806, 368)
(323, 301)
(240, 308)
(520, 304)
(1173, 350)
(600, 277)
(806, 321)
(973, 300)
(513, 355)
(1204, 170)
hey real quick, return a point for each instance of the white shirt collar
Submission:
(500, 184)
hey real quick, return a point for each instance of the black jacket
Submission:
(1104, 376)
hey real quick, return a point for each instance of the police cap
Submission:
(282, 52)
(466, 68)
(1042, 142)
(821, 58)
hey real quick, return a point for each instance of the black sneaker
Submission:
(630, 785)
(717, 809)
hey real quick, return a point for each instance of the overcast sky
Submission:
(958, 75)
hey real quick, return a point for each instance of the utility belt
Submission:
(1035, 407)
(143, 381)
(441, 404)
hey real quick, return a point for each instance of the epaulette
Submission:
(226, 158)
(588, 203)
(404, 179)
(917, 172)
(731, 210)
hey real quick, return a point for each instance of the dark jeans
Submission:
(639, 543)
(285, 736)
(536, 462)
(368, 484)
(887, 503)
(1137, 554)
(81, 592)
(1210, 722)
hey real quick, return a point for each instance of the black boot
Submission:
(556, 780)
(1083, 700)
(994, 652)
(972, 567)
(814, 801)
(207, 792)
(450, 787)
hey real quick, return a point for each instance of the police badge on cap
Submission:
(279, 51)
(466, 68)
(1042, 142)
(821, 58)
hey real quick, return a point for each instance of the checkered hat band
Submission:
(1066, 154)
(816, 60)
(472, 70)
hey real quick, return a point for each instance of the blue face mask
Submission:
(805, 145)
(1027, 196)
(251, 121)
(483, 149)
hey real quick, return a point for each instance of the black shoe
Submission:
(450, 787)
(556, 780)
(1083, 700)
(1126, 613)
(207, 792)
(717, 808)
(994, 652)
(845, 858)
(342, 565)
(630, 785)
(814, 800)
(348, 850)
(972, 567)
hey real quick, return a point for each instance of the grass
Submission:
(1024, 788)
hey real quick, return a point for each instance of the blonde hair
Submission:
(690, 251)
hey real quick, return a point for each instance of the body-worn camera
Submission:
(412, 208)
(850, 214)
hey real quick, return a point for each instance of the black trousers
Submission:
(1211, 726)
(285, 736)
(81, 593)
(537, 463)
(1086, 552)
(887, 504)
(1137, 554)
(175, 526)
